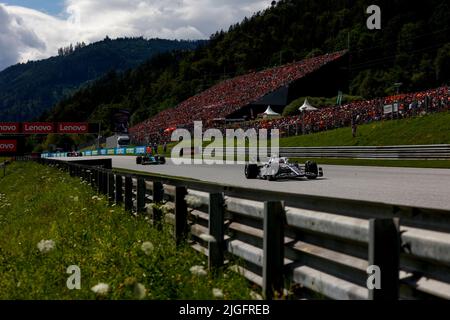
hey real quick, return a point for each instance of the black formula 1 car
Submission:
(149, 159)
(280, 168)
(74, 154)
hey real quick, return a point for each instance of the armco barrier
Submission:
(441, 152)
(100, 152)
(304, 246)
(417, 152)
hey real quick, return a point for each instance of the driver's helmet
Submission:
(281, 160)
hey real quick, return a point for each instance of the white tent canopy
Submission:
(307, 107)
(270, 112)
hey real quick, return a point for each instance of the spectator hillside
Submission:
(228, 97)
(360, 112)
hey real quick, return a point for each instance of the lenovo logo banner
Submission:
(38, 127)
(9, 127)
(73, 127)
(8, 146)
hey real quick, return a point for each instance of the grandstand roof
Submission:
(231, 95)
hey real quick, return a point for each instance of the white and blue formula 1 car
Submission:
(281, 169)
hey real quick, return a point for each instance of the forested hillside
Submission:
(413, 47)
(26, 90)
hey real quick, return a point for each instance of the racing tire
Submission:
(162, 160)
(251, 171)
(311, 170)
(138, 160)
(271, 178)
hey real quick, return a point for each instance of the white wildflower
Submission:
(217, 293)
(140, 291)
(198, 271)
(45, 246)
(167, 208)
(207, 237)
(255, 296)
(101, 289)
(193, 201)
(147, 247)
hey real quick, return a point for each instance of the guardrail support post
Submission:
(98, 180)
(216, 230)
(140, 193)
(128, 194)
(273, 262)
(158, 197)
(384, 253)
(92, 178)
(119, 189)
(111, 187)
(180, 214)
(105, 183)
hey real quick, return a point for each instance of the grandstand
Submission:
(245, 96)
(360, 112)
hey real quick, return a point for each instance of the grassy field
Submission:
(430, 129)
(109, 246)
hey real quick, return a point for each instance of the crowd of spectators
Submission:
(229, 96)
(226, 98)
(358, 112)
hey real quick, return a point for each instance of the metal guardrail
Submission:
(441, 152)
(407, 152)
(305, 246)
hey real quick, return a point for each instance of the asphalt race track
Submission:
(403, 186)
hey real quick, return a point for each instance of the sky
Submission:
(35, 29)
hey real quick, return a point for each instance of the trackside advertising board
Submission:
(9, 127)
(103, 152)
(72, 128)
(140, 150)
(48, 127)
(38, 127)
(8, 146)
(120, 151)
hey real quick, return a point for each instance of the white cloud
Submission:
(27, 34)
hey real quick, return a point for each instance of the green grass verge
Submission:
(443, 164)
(41, 203)
(429, 129)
